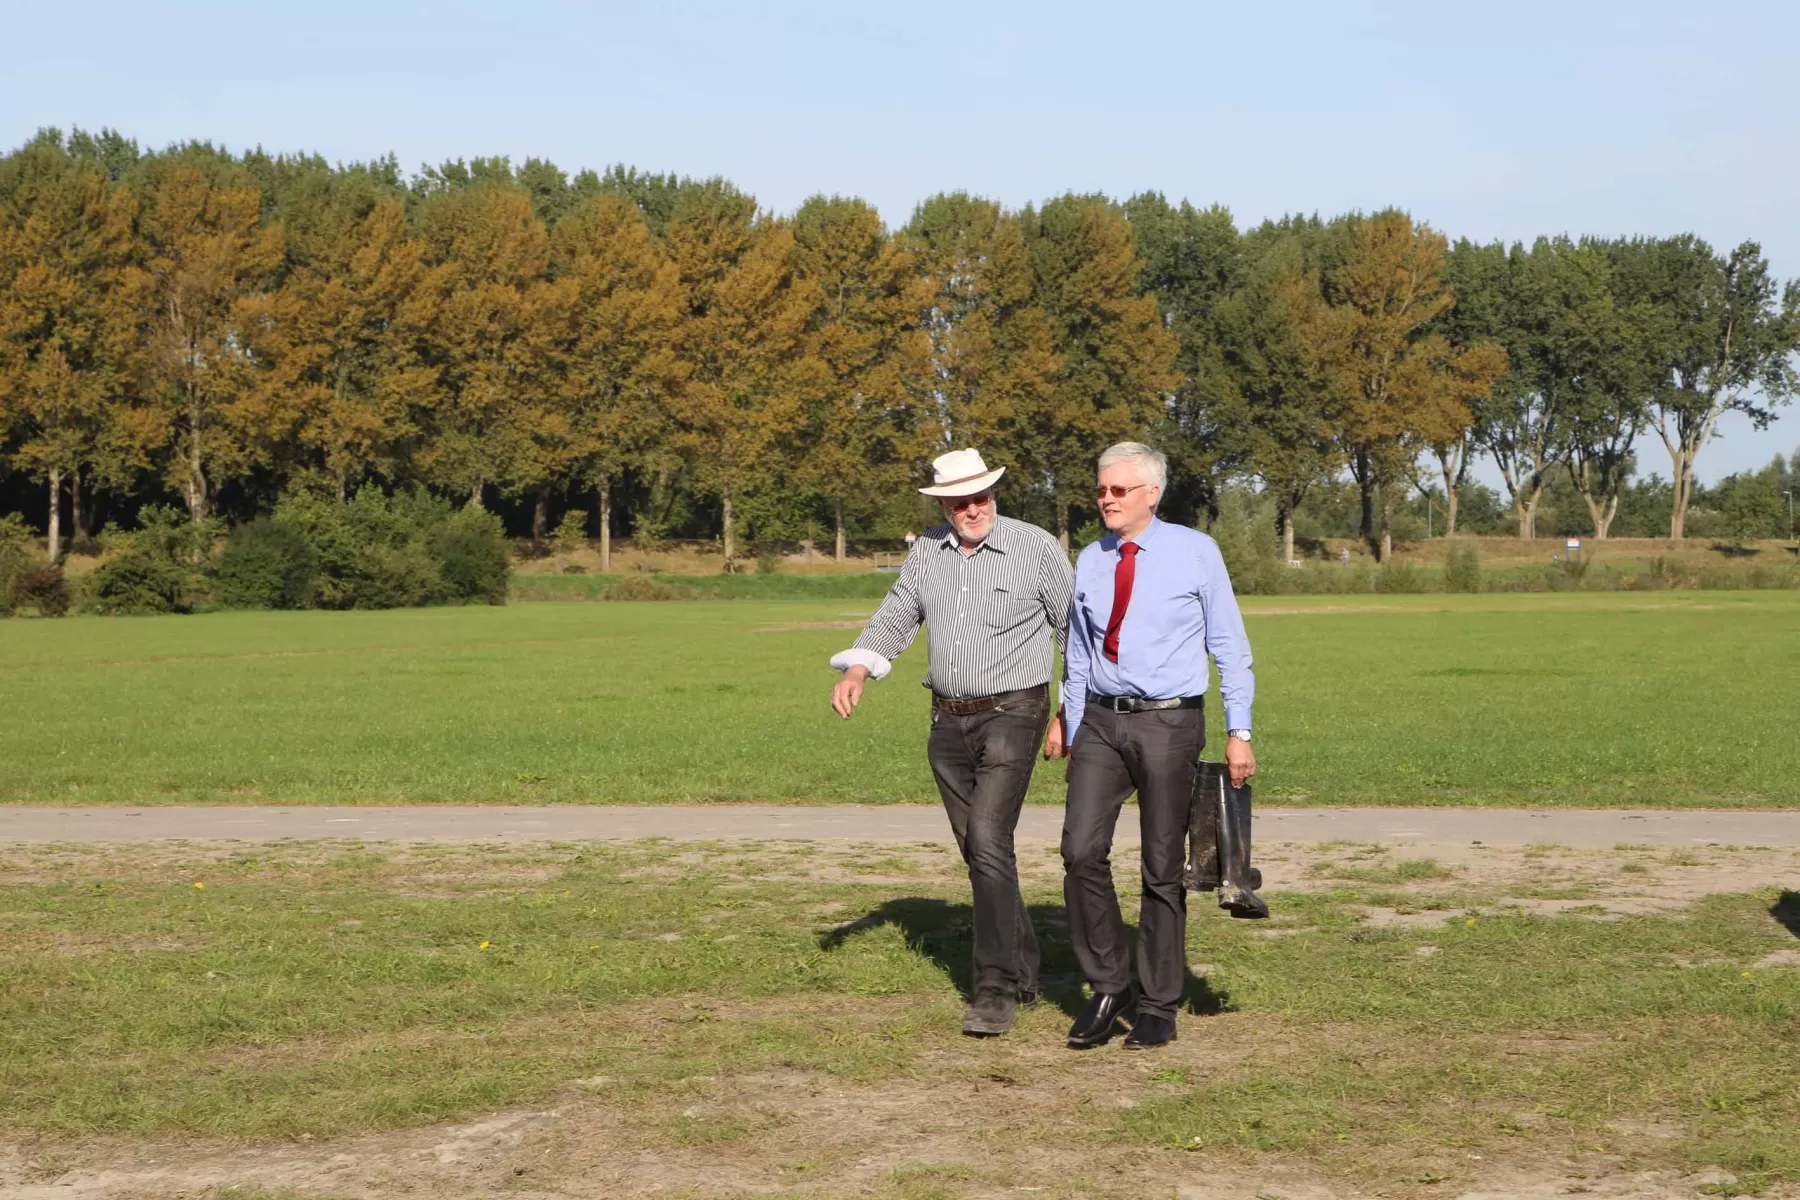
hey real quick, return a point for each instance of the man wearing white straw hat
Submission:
(993, 595)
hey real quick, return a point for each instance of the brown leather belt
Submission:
(980, 704)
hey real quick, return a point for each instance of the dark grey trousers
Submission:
(983, 766)
(1154, 754)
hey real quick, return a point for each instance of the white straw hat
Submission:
(961, 473)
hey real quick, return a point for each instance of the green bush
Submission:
(1396, 578)
(37, 585)
(159, 569)
(638, 587)
(471, 552)
(1462, 569)
(377, 551)
(266, 564)
(1247, 543)
(139, 581)
(16, 553)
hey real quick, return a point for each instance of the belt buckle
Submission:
(1121, 704)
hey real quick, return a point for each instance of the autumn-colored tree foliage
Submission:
(68, 321)
(226, 331)
(865, 428)
(620, 301)
(1116, 359)
(1394, 388)
(993, 358)
(209, 256)
(748, 382)
(492, 420)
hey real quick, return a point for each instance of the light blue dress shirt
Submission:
(1181, 609)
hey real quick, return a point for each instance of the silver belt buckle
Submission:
(1121, 704)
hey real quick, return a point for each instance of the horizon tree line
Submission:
(223, 328)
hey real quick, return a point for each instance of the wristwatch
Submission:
(1242, 735)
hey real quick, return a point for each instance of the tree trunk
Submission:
(605, 525)
(540, 514)
(54, 541)
(193, 488)
(1385, 549)
(1683, 493)
(475, 494)
(1450, 501)
(1600, 508)
(1062, 525)
(76, 528)
(840, 529)
(1526, 505)
(1365, 485)
(1601, 513)
(730, 539)
(1286, 519)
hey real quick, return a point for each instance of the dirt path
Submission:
(1589, 828)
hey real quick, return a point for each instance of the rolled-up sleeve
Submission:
(895, 624)
(1226, 639)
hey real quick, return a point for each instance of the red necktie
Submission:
(1123, 574)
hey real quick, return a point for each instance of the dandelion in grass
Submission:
(1470, 922)
(198, 884)
(1743, 974)
(483, 946)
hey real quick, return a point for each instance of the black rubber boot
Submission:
(1202, 873)
(1237, 892)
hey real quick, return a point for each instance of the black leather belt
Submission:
(1137, 704)
(980, 704)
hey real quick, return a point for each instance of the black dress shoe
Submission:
(1094, 1027)
(992, 1012)
(1150, 1031)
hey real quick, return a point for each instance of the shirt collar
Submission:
(1144, 540)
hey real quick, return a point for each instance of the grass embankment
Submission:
(700, 996)
(1682, 700)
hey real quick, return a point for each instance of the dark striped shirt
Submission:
(990, 617)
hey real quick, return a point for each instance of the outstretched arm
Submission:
(889, 632)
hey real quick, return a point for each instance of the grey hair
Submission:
(1152, 465)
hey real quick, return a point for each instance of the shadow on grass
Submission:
(1786, 909)
(944, 932)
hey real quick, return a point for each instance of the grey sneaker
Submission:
(993, 1012)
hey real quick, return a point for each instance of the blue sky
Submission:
(1487, 120)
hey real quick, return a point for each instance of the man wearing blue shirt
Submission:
(1152, 600)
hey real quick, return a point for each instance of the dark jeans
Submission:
(983, 766)
(1154, 754)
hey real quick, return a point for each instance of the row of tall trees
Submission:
(224, 328)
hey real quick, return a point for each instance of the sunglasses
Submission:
(1115, 491)
(961, 502)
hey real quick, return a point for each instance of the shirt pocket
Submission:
(1008, 610)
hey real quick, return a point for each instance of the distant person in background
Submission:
(1151, 601)
(993, 596)
(911, 538)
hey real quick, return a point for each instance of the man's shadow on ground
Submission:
(944, 932)
(1786, 910)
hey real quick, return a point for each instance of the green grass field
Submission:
(1685, 699)
(699, 996)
